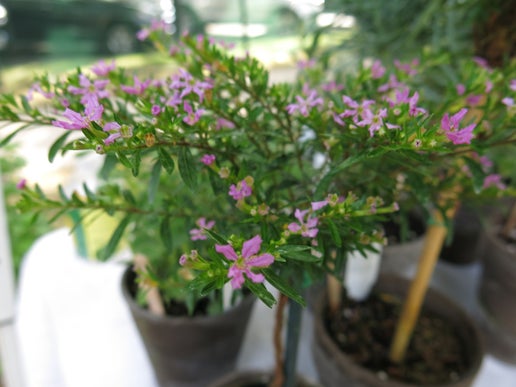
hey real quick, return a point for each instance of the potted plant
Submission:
(269, 180)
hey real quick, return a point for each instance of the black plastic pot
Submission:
(497, 296)
(337, 369)
(256, 379)
(189, 351)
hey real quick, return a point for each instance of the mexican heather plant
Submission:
(247, 182)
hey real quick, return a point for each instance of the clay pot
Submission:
(337, 369)
(497, 296)
(256, 379)
(189, 351)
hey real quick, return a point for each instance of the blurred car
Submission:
(110, 24)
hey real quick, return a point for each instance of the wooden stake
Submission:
(434, 239)
(333, 287)
(152, 295)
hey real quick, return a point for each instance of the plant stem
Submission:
(434, 239)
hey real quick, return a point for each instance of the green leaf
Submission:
(154, 181)
(283, 287)
(110, 162)
(262, 293)
(334, 232)
(166, 160)
(7, 139)
(107, 251)
(186, 168)
(477, 174)
(298, 253)
(216, 237)
(57, 145)
(26, 104)
(166, 234)
(124, 160)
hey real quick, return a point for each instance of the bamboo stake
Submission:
(152, 295)
(333, 287)
(434, 239)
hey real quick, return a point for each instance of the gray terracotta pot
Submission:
(189, 351)
(256, 379)
(336, 369)
(497, 296)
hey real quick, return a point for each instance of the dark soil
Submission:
(364, 331)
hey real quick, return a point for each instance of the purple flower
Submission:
(156, 25)
(304, 105)
(377, 69)
(199, 233)
(244, 263)
(92, 112)
(450, 126)
(306, 228)
(191, 117)
(155, 110)
(101, 68)
(393, 83)
(494, 180)
(208, 159)
(241, 190)
(138, 88)
(461, 89)
(512, 85)
(113, 128)
(21, 184)
(223, 123)
(89, 89)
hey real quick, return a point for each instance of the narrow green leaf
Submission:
(216, 237)
(166, 160)
(166, 234)
(26, 104)
(124, 160)
(154, 181)
(7, 139)
(57, 145)
(283, 287)
(108, 250)
(262, 293)
(186, 168)
(334, 232)
(477, 173)
(89, 193)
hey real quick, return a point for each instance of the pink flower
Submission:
(223, 123)
(494, 180)
(21, 184)
(512, 85)
(377, 70)
(199, 233)
(450, 126)
(155, 110)
(101, 68)
(89, 89)
(244, 263)
(208, 159)
(461, 89)
(304, 105)
(306, 228)
(191, 117)
(137, 88)
(241, 190)
(92, 112)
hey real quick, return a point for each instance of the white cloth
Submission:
(73, 325)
